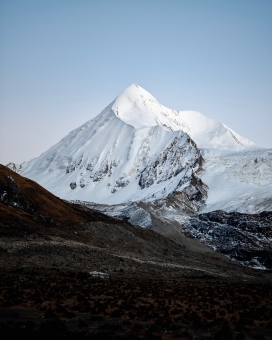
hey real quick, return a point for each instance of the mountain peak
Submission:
(138, 108)
(134, 93)
(134, 107)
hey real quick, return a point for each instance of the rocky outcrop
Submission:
(131, 212)
(171, 162)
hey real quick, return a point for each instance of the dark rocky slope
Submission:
(246, 238)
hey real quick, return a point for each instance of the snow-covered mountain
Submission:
(131, 151)
(138, 150)
(176, 172)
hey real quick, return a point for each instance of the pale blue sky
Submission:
(63, 61)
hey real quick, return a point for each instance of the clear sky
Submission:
(63, 61)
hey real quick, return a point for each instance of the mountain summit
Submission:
(135, 149)
(138, 108)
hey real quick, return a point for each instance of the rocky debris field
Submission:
(242, 237)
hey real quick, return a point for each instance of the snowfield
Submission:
(238, 181)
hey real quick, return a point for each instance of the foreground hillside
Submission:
(70, 272)
(40, 230)
(24, 203)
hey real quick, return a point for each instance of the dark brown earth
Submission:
(152, 287)
(73, 305)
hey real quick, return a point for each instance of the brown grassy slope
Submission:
(26, 202)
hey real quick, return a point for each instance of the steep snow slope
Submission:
(208, 133)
